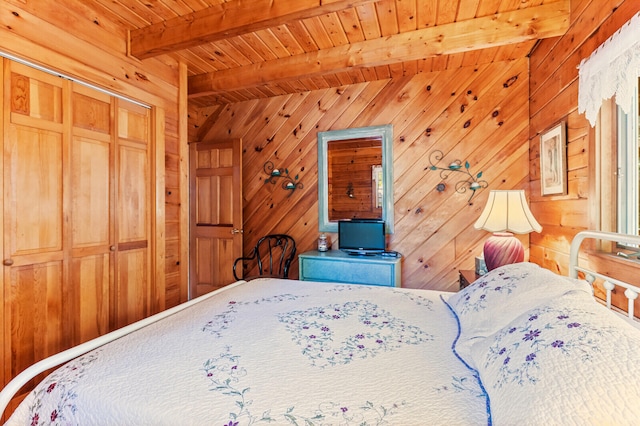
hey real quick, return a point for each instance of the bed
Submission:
(520, 345)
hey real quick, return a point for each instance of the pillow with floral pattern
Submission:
(569, 361)
(501, 295)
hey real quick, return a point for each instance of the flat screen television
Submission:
(361, 236)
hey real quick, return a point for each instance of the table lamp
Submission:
(506, 213)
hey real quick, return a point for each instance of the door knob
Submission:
(7, 262)
(236, 231)
(112, 248)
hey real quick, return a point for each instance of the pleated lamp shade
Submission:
(506, 213)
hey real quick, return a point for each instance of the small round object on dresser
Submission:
(323, 244)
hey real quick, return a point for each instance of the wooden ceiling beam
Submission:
(226, 20)
(538, 22)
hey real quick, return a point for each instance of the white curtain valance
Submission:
(612, 69)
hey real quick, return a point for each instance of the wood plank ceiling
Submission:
(239, 50)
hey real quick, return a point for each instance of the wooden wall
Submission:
(554, 98)
(91, 48)
(476, 114)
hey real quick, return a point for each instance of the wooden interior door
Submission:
(215, 198)
(132, 289)
(35, 164)
(92, 213)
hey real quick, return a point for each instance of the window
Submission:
(628, 185)
(611, 72)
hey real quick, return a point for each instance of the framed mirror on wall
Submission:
(355, 176)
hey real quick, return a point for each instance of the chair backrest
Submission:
(271, 257)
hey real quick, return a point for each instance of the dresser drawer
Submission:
(335, 266)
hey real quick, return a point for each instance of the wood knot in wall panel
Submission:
(510, 81)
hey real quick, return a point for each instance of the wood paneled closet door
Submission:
(132, 291)
(76, 215)
(35, 163)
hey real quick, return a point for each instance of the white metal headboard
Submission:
(631, 291)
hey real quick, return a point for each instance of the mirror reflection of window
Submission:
(352, 192)
(378, 187)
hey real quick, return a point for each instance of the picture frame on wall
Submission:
(553, 160)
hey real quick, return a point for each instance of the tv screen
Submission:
(361, 236)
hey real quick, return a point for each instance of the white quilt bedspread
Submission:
(278, 352)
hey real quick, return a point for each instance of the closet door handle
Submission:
(112, 248)
(7, 262)
(237, 231)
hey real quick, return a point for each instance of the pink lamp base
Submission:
(502, 248)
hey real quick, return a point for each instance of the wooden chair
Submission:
(271, 257)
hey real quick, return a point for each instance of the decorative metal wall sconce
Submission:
(274, 174)
(350, 193)
(471, 182)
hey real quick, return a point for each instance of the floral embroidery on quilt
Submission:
(318, 331)
(336, 413)
(479, 294)
(347, 287)
(419, 300)
(225, 373)
(59, 388)
(463, 384)
(273, 299)
(222, 321)
(416, 298)
(546, 332)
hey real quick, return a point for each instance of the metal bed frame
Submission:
(631, 291)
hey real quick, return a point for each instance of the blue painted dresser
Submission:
(337, 266)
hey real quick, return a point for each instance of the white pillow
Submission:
(569, 361)
(501, 295)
